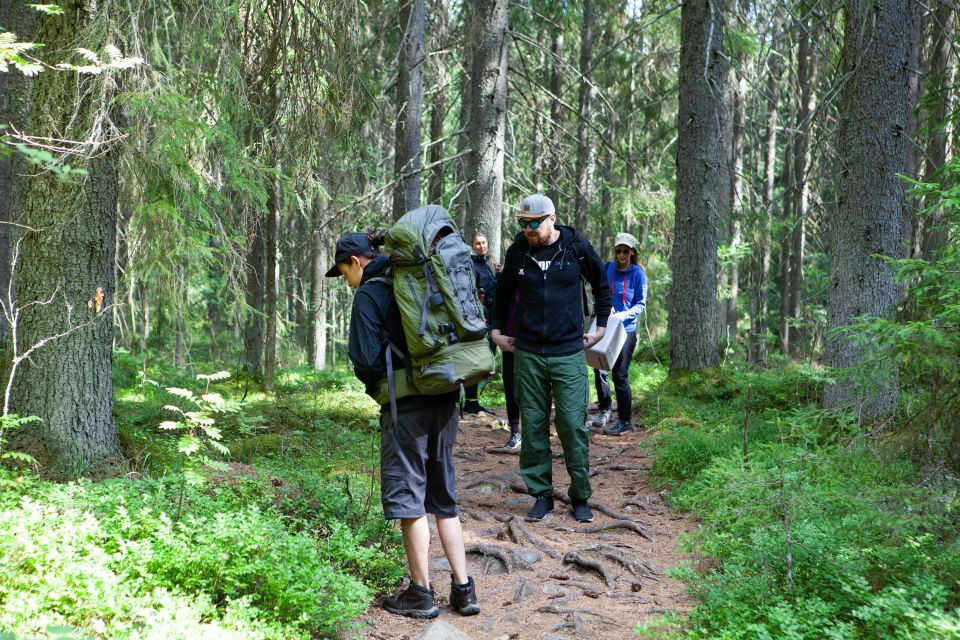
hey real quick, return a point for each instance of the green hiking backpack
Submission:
(436, 293)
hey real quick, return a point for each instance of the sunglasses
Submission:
(533, 224)
(619, 251)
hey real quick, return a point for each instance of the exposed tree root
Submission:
(524, 590)
(503, 450)
(491, 551)
(627, 467)
(519, 531)
(639, 568)
(492, 530)
(472, 456)
(616, 524)
(589, 563)
(574, 623)
(582, 612)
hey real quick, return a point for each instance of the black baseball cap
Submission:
(351, 244)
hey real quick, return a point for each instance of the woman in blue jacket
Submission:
(628, 284)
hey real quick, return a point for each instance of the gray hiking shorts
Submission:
(417, 474)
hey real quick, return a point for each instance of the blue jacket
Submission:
(629, 290)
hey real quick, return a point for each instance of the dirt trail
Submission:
(556, 578)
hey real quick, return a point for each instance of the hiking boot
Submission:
(415, 602)
(514, 441)
(582, 512)
(621, 427)
(473, 407)
(541, 508)
(601, 419)
(463, 597)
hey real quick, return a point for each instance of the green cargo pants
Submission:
(562, 380)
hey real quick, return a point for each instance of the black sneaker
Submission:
(582, 512)
(415, 602)
(541, 508)
(463, 597)
(513, 442)
(621, 427)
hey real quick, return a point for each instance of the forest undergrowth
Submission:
(809, 526)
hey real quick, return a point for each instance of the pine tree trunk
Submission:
(758, 333)
(806, 81)
(253, 329)
(461, 201)
(15, 95)
(693, 296)
(736, 209)
(537, 149)
(318, 268)
(272, 241)
(874, 109)
(488, 111)
(556, 115)
(438, 110)
(406, 195)
(939, 87)
(783, 274)
(586, 148)
(69, 262)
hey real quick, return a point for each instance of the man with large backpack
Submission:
(548, 265)
(416, 335)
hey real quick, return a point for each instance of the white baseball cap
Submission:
(536, 206)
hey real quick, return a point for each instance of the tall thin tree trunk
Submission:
(939, 87)
(441, 11)
(556, 114)
(69, 261)
(693, 295)
(461, 201)
(586, 147)
(253, 329)
(318, 267)
(15, 99)
(758, 333)
(874, 109)
(488, 113)
(737, 208)
(406, 195)
(537, 154)
(806, 81)
(272, 241)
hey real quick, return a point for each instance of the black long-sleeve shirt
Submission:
(550, 313)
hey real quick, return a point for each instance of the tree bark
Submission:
(461, 199)
(874, 109)
(693, 296)
(556, 114)
(758, 333)
(272, 241)
(406, 195)
(939, 88)
(488, 112)
(67, 382)
(586, 148)
(253, 329)
(806, 81)
(439, 108)
(15, 94)
(736, 206)
(318, 267)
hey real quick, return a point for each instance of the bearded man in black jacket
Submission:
(547, 264)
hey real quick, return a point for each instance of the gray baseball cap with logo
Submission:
(536, 206)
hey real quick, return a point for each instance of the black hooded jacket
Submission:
(550, 313)
(373, 310)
